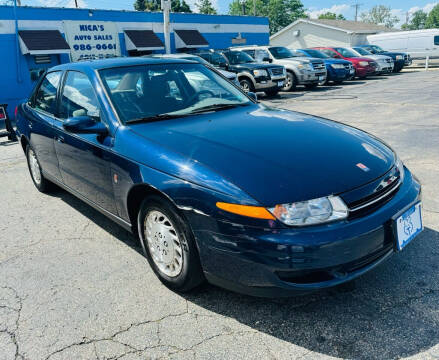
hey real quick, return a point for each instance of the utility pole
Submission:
(357, 7)
(166, 7)
(76, 3)
(254, 7)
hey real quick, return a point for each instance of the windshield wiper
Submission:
(153, 118)
(216, 107)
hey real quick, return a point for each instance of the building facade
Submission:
(34, 39)
(307, 33)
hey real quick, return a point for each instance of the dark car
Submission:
(252, 76)
(259, 200)
(400, 59)
(338, 70)
(363, 66)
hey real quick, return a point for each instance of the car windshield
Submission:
(160, 91)
(316, 54)
(346, 53)
(238, 57)
(362, 51)
(377, 49)
(280, 52)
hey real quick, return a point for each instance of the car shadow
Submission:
(99, 219)
(389, 313)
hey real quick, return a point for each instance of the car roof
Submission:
(116, 62)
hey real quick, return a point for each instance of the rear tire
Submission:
(169, 245)
(41, 183)
(290, 82)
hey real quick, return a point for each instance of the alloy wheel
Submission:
(163, 243)
(34, 167)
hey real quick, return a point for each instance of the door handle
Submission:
(60, 139)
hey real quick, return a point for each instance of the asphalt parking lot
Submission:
(73, 285)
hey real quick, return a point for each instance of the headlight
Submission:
(399, 57)
(400, 165)
(337, 66)
(260, 73)
(364, 63)
(311, 212)
(305, 66)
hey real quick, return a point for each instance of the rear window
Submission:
(436, 40)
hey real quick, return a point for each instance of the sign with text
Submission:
(90, 40)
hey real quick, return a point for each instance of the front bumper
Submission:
(262, 84)
(291, 261)
(307, 77)
(384, 68)
(339, 74)
(364, 71)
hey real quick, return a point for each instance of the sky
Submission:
(400, 8)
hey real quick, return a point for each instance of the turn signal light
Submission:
(245, 210)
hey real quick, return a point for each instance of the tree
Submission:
(331, 16)
(417, 22)
(380, 15)
(205, 7)
(281, 13)
(155, 5)
(433, 18)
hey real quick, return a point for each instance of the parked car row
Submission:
(271, 69)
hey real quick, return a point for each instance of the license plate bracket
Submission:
(407, 226)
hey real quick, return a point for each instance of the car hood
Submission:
(336, 61)
(378, 57)
(252, 66)
(295, 60)
(275, 156)
(358, 59)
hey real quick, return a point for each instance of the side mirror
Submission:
(252, 95)
(84, 125)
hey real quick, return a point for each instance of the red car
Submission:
(363, 65)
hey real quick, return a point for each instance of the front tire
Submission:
(169, 245)
(40, 182)
(290, 82)
(246, 85)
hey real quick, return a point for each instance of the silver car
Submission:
(301, 70)
(385, 63)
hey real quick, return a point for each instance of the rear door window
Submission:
(45, 97)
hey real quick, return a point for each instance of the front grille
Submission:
(276, 71)
(318, 65)
(373, 201)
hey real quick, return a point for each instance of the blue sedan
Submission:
(338, 70)
(216, 186)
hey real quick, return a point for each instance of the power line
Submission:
(357, 7)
